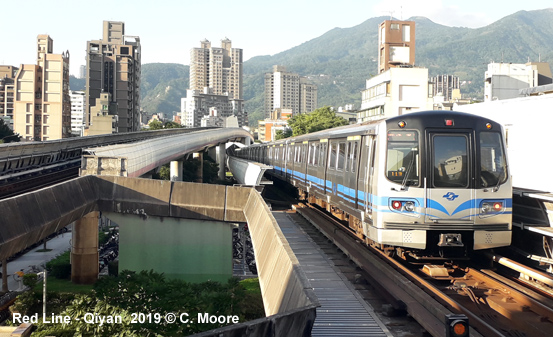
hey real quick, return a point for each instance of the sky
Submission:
(168, 29)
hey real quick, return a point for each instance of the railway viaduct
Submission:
(110, 182)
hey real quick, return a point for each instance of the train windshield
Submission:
(402, 164)
(493, 168)
(450, 160)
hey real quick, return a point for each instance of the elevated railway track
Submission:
(496, 304)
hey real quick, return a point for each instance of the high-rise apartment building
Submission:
(215, 83)
(445, 84)
(396, 44)
(7, 75)
(113, 66)
(287, 90)
(217, 68)
(77, 112)
(42, 108)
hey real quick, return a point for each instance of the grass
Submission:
(253, 301)
(251, 285)
(63, 286)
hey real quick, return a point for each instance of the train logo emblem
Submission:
(451, 196)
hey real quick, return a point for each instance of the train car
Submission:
(424, 184)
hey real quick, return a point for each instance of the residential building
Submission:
(396, 44)
(82, 71)
(77, 112)
(103, 116)
(113, 65)
(198, 104)
(287, 90)
(396, 91)
(278, 121)
(215, 83)
(217, 68)
(42, 107)
(444, 85)
(505, 80)
(308, 96)
(7, 75)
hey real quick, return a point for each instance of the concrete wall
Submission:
(289, 300)
(191, 250)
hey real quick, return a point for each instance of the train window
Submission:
(402, 164)
(341, 155)
(353, 156)
(493, 169)
(322, 162)
(289, 155)
(333, 155)
(316, 154)
(450, 160)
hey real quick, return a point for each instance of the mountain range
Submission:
(341, 60)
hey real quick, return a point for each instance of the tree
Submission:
(283, 134)
(319, 119)
(6, 134)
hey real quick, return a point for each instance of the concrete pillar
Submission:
(248, 141)
(221, 158)
(84, 250)
(176, 170)
(200, 173)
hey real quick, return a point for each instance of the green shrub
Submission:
(60, 267)
(29, 280)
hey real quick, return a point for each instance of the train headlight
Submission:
(409, 206)
(396, 205)
(492, 207)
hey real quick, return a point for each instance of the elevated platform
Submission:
(343, 311)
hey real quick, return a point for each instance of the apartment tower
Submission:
(287, 90)
(396, 44)
(219, 69)
(42, 108)
(215, 83)
(445, 84)
(7, 75)
(113, 66)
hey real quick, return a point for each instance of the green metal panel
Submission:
(192, 250)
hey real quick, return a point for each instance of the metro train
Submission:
(423, 185)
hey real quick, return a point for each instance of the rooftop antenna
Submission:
(401, 13)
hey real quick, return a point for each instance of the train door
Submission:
(313, 180)
(323, 167)
(449, 180)
(351, 171)
(367, 174)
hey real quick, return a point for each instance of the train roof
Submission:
(417, 120)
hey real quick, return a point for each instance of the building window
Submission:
(394, 26)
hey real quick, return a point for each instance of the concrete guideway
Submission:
(289, 301)
(248, 172)
(137, 159)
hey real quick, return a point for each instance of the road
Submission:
(35, 257)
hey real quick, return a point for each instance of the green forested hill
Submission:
(341, 60)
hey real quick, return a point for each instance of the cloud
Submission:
(435, 10)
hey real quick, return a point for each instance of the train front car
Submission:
(446, 188)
